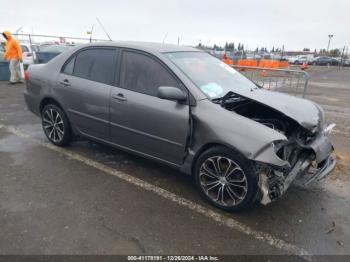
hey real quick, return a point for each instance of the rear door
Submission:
(84, 86)
(140, 120)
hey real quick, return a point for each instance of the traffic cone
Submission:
(263, 73)
(304, 66)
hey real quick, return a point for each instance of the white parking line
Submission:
(222, 219)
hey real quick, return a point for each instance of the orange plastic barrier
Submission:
(284, 64)
(247, 62)
(268, 63)
(273, 64)
(228, 61)
(265, 63)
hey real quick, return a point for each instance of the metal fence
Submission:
(42, 39)
(282, 80)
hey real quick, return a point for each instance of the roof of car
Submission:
(148, 46)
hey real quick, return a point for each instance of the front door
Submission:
(139, 119)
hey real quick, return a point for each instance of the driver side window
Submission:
(143, 74)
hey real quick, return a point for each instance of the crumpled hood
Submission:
(303, 111)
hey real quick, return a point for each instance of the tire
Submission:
(233, 196)
(314, 63)
(56, 125)
(296, 62)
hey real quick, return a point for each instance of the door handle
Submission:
(65, 82)
(119, 97)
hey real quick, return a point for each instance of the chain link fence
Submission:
(282, 80)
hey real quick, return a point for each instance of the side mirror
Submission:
(171, 93)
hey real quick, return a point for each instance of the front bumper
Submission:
(314, 163)
(324, 169)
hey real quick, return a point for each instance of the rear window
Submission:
(95, 64)
(35, 48)
(54, 48)
(68, 68)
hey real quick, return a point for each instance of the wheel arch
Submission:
(50, 100)
(209, 145)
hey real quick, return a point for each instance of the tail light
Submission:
(29, 54)
(26, 75)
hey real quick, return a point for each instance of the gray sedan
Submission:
(183, 107)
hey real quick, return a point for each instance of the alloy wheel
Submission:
(53, 125)
(223, 181)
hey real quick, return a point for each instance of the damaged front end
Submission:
(274, 181)
(305, 154)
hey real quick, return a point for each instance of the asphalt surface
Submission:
(93, 199)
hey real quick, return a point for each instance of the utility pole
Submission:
(329, 42)
(342, 58)
(90, 33)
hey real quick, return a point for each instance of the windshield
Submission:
(213, 77)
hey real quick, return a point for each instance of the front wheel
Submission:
(226, 179)
(55, 125)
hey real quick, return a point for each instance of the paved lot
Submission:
(92, 199)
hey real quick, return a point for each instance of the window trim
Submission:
(66, 63)
(76, 53)
(157, 59)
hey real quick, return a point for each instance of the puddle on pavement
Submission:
(35, 131)
(15, 147)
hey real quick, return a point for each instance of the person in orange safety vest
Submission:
(13, 54)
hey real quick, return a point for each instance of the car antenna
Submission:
(165, 36)
(103, 28)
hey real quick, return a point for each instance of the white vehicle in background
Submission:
(300, 59)
(28, 55)
(292, 59)
(347, 62)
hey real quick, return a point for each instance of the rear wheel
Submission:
(55, 125)
(226, 179)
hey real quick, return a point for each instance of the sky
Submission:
(296, 24)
